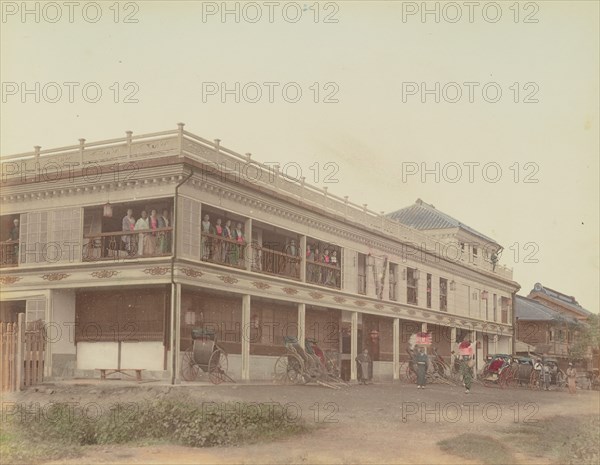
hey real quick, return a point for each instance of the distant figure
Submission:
(572, 378)
(14, 232)
(422, 361)
(364, 362)
(465, 350)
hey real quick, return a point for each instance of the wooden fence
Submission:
(22, 352)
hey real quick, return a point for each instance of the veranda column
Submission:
(396, 348)
(301, 323)
(248, 248)
(246, 337)
(302, 258)
(353, 346)
(452, 345)
(175, 323)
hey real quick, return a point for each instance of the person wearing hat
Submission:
(572, 378)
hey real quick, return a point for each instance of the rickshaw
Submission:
(556, 377)
(499, 370)
(437, 372)
(304, 365)
(206, 355)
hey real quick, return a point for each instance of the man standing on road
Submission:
(421, 360)
(465, 349)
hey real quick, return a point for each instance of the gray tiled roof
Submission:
(563, 299)
(422, 215)
(529, 309)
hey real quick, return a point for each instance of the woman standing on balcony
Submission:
(226, 246)
(217, 245)
(164, 237)
(142, 224)
(128, 225)
(150, 241)
(206, 229)
(238, 235)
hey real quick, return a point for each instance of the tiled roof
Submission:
(422, 215)
(529, 309)
(559, 297)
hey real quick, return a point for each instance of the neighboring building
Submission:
(566, 305)
(545, 330)
(113, 296)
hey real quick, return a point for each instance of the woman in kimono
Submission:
(363, 362)
(465, 350)
(151, 238)
(206, 228)
(238, 236)
(164, 238)
(421, 362)
(142, 224)
(128, 225)
(217, 231)
(226, 246)
(572, 379)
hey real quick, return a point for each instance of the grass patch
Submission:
(483, 449)
(565, 440)
(31, 433)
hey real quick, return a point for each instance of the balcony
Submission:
(127, 245)
(9, 254)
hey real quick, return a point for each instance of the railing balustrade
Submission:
(128, 244)
(277, 263)
(222, 250)
(9, 253)
(324, 274)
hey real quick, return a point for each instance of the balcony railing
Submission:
(323, 274)
(183, 143)
(9, 253)
(277, 263)
(127, 245)
(222, 250)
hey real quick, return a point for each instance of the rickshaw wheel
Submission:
(217, 366)
(189, 369)
(288, 369)
(561, 380)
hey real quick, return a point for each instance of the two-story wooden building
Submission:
(123, 246)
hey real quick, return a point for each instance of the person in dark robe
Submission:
(363, 363)
(421, 361)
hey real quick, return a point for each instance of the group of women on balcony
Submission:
(221, 243)
(146, 242)
(316, 273)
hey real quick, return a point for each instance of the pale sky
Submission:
(545, 52)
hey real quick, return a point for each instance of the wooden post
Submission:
(246, 337)
(353, 346)
(301, 324)
(19, 356)
(303, 262)
(396, 348)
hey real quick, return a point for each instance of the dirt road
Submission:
(380, 423)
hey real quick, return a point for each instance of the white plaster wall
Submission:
(261, 366)
(383, 370)
(148, 355)
(61, 328)
(92, 355)
(504, 345)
